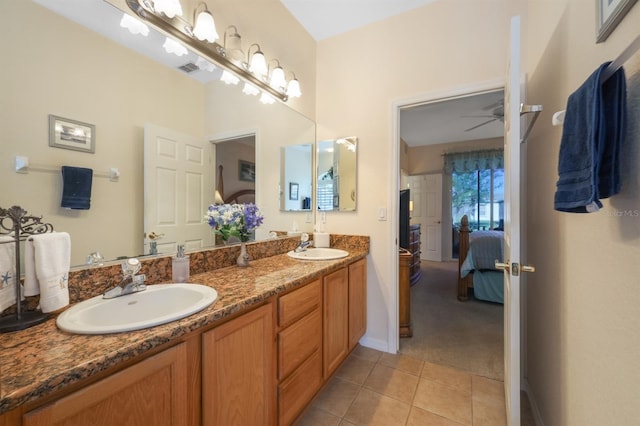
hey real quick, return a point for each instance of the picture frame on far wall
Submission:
(71, 134)
(609, 13)
(246, 171)
(293, 191)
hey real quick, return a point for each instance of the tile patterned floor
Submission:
(376, 388)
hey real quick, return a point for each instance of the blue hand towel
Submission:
(76, 187)
(614, 101)
(591, 137)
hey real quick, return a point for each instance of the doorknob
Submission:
(502, 266)
(515, 268)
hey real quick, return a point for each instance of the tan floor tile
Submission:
(336, 397)
(402, 362)
(355, 369)
(366, 353)
(393, 383)
(489, 413)
(451, 377)
(444, 400)
(487, 390)
(420, 417)
(346, 423)
(372, 409)
(317, 417)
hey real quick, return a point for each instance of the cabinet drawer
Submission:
(296, 392)
(298, 341)
(294, 305)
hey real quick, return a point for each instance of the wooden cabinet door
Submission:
(151, 392)
(336, 320)
(357, 301)
(238, 378)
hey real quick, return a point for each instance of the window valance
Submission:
(471, 161)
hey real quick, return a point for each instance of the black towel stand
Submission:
(15, 220)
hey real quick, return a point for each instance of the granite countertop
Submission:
(42, 359)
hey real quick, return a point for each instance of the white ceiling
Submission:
(454, 120)
(432, 123)
(327, 18)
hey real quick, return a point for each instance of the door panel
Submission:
(178, 186)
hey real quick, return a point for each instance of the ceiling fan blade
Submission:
(496, 104)
(481, 124)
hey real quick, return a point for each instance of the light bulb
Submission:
(205, 28)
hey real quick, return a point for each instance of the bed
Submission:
(478, 251)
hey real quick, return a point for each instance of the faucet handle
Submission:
(131, 266)
(304, 237)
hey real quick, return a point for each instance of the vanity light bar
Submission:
(211, 51)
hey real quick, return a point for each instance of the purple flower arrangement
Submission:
(234, 220)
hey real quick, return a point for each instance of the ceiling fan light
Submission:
(170, 8)
(172, 46)
(135, 26)
(205, 28)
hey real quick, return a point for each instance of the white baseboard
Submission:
(532, 401)
(377, 344)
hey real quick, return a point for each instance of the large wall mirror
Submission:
(337, 171)
(59, 67)
(296, 178)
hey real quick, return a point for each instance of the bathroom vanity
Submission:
(258, 355)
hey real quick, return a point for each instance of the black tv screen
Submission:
(403, 231)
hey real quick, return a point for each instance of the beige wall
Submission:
(58, 67)
(583, 301)
(361, 73)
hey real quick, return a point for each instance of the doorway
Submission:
(476, 114)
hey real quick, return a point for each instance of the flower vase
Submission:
(243, 258)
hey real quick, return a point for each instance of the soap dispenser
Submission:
(180, 266)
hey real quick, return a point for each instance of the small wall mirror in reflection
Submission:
(296, 178)
(337, 171)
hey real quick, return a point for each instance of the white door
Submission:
(512, 262)
(431, 244)
(178, 183)
(426, 194)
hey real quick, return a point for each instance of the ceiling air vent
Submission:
(189, 67)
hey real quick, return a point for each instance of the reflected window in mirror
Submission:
(296, 177)
(336, 174)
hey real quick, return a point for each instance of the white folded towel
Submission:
(46, 262)
(7, 272)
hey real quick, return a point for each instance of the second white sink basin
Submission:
(316, 253)
(158, 304)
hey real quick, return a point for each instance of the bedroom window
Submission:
(480, 195)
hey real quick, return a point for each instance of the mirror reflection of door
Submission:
(237, 156)
(177, 181)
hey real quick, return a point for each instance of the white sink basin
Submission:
(158, 304)
(315, 253)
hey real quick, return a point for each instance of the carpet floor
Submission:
(464, 335)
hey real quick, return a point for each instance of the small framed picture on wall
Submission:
(71, 134)
(293, 191)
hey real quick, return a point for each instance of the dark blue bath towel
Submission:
(592, 134)
(76, 187)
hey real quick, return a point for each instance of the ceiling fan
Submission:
(497, 113)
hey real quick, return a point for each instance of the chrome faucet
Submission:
(131, 283)
(304, 243)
